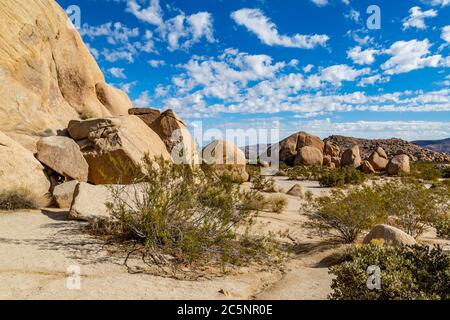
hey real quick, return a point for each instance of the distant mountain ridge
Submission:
(435, 145)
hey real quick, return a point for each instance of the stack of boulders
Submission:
(304, 149)
(67, 132)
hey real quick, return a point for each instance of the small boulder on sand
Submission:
(63, 194)
(398, 165)
(297, 191)
(63, 155)
(389, 235)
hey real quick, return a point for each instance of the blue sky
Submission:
(296, 65)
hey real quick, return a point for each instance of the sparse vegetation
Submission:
(407, 273)
(429, 171)
(182, 216)
(443, 227)
(86, 113)
(344, 215)
(262, 183)
(341, 177)
(19, 199)
(300, 173)
(277, 203)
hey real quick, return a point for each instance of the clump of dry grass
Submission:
(20, 199)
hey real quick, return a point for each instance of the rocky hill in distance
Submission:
(435, 145)
(391, 146)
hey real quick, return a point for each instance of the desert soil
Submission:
(38, 247)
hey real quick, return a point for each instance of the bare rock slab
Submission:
(63, 194)
(389, 235)
(64, 156)
(20, 169)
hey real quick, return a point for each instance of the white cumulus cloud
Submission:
(417, 18)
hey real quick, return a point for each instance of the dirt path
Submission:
(37, 248)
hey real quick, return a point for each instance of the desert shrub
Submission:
(407, 273)
(344, 215)
(426, 171)
(255, 201)
(443, 227)
(277, 203)
(414, 206)
(312, 173)
(262, 183)
(86, 113)
(18, 199)
(192, 217)
(253, 171)
(342, 176)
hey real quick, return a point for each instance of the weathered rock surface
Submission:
(145, 114)
(47, 74)
(331, 150)
(327, 161)
(289, 147)
(309, 156)
(89, 202)
(20, 169)
(63, 194)
(116, 101)
(367, 167)
(177, 138)
(63, 155)
(297, 191)
(379, 159)
(398, 165)
(389, 235)
(115, 147)
(226, 158)
(351, 157)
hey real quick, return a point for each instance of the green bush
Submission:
(426, 171)
(344, 215)
(407, 273)
(277, 203)
(192, 217)
(262, 183)
(443, 228)
(312, 173)
(414, 205)
(341, 177)
(19, 199)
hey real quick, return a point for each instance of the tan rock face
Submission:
(389, 235)
(176, 137)
(398, 165)
(63, 155)
(90, 202)
(115, 147)
(145, 114)
(63, 194)
(367, 167)
(309, 156)
(351, 158)
(226, 158)
(327, 160)
(289, 147)
(331, 150)
(47, 75)
(20, 169)
(116, 101)
(378, 159)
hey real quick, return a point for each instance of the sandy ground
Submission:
(38, 249)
